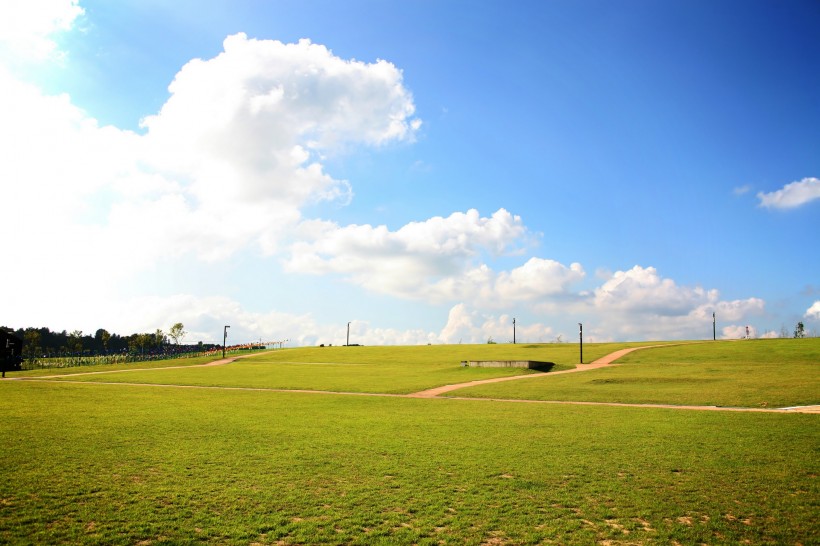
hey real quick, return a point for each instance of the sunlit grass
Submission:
(137, 464)
(759, 373)
(117, 464)
(364, 369)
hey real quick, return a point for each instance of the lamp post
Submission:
(714, 330)
(224, 338)
(581, 340)
(348, 335)
(513, 331)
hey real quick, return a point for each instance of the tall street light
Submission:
(714, 328)
(224, 337)
(581, 340)
(348, 335)
(513, 331)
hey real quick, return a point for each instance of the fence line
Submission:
(72, 361)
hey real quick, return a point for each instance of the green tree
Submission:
(75, 341)
(159, 339)
(138, 342)
(177, 332)
(102, 337)
(31, 343)
(799, 331)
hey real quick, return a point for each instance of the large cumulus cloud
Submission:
(227, 164)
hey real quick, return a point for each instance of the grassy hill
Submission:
(94, 463)
(754, 373)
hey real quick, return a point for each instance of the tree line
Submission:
(43, 343)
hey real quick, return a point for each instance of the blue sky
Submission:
(427, 171)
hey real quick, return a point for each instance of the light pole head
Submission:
(224, 337)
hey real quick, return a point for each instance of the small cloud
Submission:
(735, 331)
(813, 312)
(742, 190)
(420, 166)
(791, 195)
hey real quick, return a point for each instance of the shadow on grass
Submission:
(541, 366)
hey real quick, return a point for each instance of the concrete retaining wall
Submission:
(531, 364)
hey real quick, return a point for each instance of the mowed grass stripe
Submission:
(793, 409)
(124, 465)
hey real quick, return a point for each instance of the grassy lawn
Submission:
(365, 369)
(93, 463)
(755, 373)
(119, 464)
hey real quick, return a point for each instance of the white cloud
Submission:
(738, 332)
(640, 304)
(537, 278)
(362, 333)
(791, 195)
(224, 164)
(634, 304)
(228, 163)
(265, 107)
(465, 325)
(205, 317)
(57, 167)
(642, 289)
(247, 132)
(428, 260)
(27, 27)
(813, 312)
(436, 261)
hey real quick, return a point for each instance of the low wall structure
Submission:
(531, 364)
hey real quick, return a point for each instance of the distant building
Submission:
(11, 352)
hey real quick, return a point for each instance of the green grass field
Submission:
(139, 464)
(755, 373)
(394, 370)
